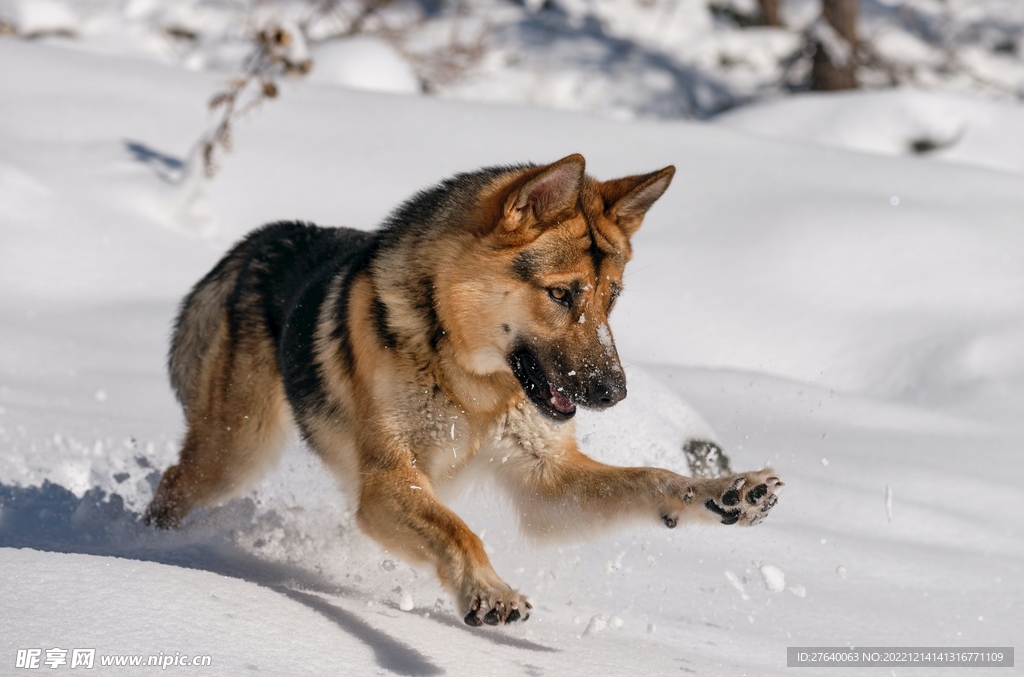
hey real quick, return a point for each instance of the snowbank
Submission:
(947, 127)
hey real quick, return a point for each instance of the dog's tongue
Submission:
(561, 402)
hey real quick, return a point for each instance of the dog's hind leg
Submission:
(238, 422)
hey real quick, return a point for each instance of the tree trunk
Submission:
(770, 12)
(831, 71)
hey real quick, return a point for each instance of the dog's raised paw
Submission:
(498, 609)
(746, 499)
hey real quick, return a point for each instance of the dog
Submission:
(473, 323)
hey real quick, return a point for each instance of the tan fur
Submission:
(530, 267)
(201, 320)
(238, 423)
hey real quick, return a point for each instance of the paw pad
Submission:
(728, 516)
(497, 614)
(750, 507)
(732, 496)
(493, 617)
(756, 494)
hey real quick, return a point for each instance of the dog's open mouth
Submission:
(545, 396)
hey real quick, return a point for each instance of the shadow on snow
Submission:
(53, 519)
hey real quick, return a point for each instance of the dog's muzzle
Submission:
(556, 402)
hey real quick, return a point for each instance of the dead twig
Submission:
(274, 54)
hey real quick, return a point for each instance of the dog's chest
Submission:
(446, 438)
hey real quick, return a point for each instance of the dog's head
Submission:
(545, 275)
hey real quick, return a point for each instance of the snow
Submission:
(777, 303)
(948, 127)
(774, 578)
(43, 16)
(623, 59)
(143, 608)
(737, 584)
(597, 624)
(363, 63)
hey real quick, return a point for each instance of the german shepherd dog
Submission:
(472, 324)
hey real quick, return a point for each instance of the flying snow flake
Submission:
(773, 577)
(101, 395)
(736, 583)
(894, 200)
(841, 572)
(612, 567)
(798, 590)
(597, 624)
(888, 502)
(824, 462)
(406, 604)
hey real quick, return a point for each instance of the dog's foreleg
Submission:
(398, 508)
(565, 492)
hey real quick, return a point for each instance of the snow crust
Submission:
(777, 303)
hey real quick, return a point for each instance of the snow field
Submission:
(777, 301)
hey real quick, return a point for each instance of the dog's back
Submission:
(241, 349)
(254, 290)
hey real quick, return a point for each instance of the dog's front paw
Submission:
(496, 605)
(746, 499)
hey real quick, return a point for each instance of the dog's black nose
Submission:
(604, 394)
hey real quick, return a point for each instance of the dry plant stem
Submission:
(263, 65)
(269, 60)
(355, 22)
(449, 63)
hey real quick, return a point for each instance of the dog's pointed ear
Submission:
(551, 192)
(628, 199)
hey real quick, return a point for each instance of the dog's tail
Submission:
(200, 317)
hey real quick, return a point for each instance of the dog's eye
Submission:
(561, 295)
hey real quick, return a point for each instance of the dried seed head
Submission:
(220, 99)
(297, 69)
(269, 89)
(181, 33)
